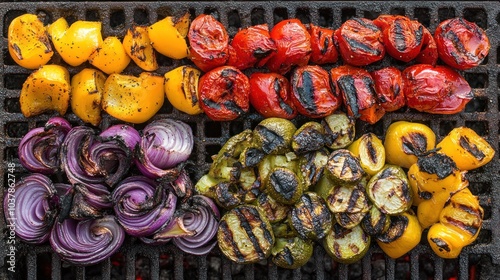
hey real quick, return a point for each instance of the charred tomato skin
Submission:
(224, 93)
(270, 95)
(293, 44)
(437, 90)
(311, 91)
(461, 44)
(209, 41)
(322, 45)
(389, 87)
(251, 46)
(429, 53)
(360, 42)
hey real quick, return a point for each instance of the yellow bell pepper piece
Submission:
(370, 151)
(137, 45)
(77, 42)
(86, 95)
(466, 148)
(402, 235)
(133, 99)
(181, 89)
(166, 38)
(46, 89)
(110, 57)
(29, 44)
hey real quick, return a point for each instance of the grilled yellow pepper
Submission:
(181, 88)
(370, 151)
(77, 42)
(460, 223)
(466, 148)
(86, 95)
(46, 89)
(403, 234)
(29, 43)
(138, 46)
(133, 99)
(166, 38)
(110, 57)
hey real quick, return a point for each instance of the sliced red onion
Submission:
(129, 135)
(90, 201)
(183, 186)
(32, 208)
(88, 159)
(165, 143)
(39, 149)
(87, 242)
(142, 206)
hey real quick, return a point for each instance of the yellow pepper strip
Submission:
(29, 43)
(166, 38)
(370, 151)
(404, 140)
(460, 223)
(133, 99)
(110, 57)
(466, 148)
(86, 95)
(403, 234)
(181, 89)
(77, 42)
(46, 89)
(138, 47)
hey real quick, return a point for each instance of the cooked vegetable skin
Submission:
(370, 151)
(138, 47)
(87, 88)
(291, 253)
(181, 89)
(310, 217)
(166, 38)
(110, 57)
(346, 245)
(403, 234)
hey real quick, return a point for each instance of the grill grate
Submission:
(166, 262)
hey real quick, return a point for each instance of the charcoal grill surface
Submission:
(482, 115)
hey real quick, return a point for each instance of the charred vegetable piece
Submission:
(271, 162)
(375, 222)
(312, 165)
(310, 217)
(349, 220)
(404, 141)
(251, 156)
(389, 87)
(429, 53)
(348, 199)
(339, 130)
(370, 151)
(324, 186)
(467, 149)
(283, 229)
(227, 195)
(308, 138)
(110, 57)
(230, 152)
(138, 46)
(29, 44)
(166, 38)
(270, 95)
(291, 253)
(181, 89)
(251, 46)
(403, 234)
(346, 245)
(390, 191)
(344, 167)
(274, 135)
(87, 88)
(206, 185)
(284, 185)
(274, 211)
(245, 235)
(322, 45)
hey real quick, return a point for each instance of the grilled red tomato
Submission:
(293, 44)
(461, 44)
(357, 89)
(389, 88)
(428, 54)
(322, 45)
(224, 93)
(360, 42)
(270, 95)
(312, 94)
(437, 90)
(402, 38)
(208, 42)
(251, 47)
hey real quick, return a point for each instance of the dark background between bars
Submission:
(166, 262)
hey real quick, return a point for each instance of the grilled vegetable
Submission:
(77, 42)
(245, 235)
(28, 42)
(404, 234)
(133, 99)
(291, 253)
(404, 141)
(251, 156)
(348, 199)
(349, 220)
(375, 222)
(274, 135)
(137, 45)
(322, 45)
(389, 86)
(310, 217)
(461, 44)
(166, 38)
(312, 165)
(390, 191)
(87, 88)
(284, 185)
(274, 211)
(270, 162)
(339, 130)
(270, 95)
(429, 53)
(346, 245)
(251, 46)
(181, 89)
(324, 186)
(223, 93)
(110, 57)
(46, 89)
(230, 152)
(460, 223)
(467, 149)
(344, 167)
(370, 151)
(308, 138)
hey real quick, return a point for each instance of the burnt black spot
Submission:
(225, 196)
(425, 195)
(370, 25)
(211, 104)
(308, 140)
(357, 45)
(228, 72)
(439, 164)
(233, 107)
(245, 225)
(287, 256)
(346, 84)
(396, 229)
(228, 238)
(266, 231)
(284, 182)
(306, 92)
(326, 44)
(259, 53)
(399, 36)
(414, 144)
(372, 153)
(441, 244)
(419, 34)
(253, 156)
(471, 148)
(270, 139)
